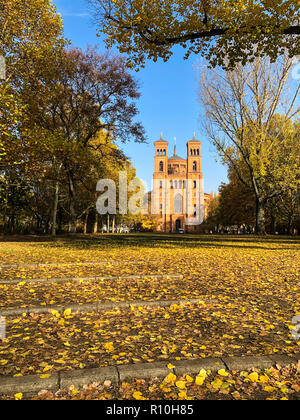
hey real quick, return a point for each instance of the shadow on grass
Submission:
(160, 240)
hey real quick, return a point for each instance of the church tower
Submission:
(161, 157)
(194, 156)
(177, 195)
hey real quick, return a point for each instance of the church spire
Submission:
(175, 154)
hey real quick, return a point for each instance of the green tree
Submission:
(30, 38)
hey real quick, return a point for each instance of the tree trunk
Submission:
(113, 225)
(54, 212)
(273, 224)
(107, 222)
(85, 222)
(55, 204)
(96, 223)
(72, 199)
(260, 228)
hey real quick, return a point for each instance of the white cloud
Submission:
(71, 14)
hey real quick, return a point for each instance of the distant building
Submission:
(178, 197)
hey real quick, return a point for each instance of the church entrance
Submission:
(178, 224)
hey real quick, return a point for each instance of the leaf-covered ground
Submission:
(248, 290)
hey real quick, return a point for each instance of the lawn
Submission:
(247, 292)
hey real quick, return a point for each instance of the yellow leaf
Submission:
(18, 396)
(269, 389)
(217, 383)
(170, 366)
(137, 395)
(75, 392)
(171, 378)
(67, 312)
(199, 380)
(183, 395)
(60, 361)
(253, 376)
(222, 372)
(45, 376)
(165, 388)
(109, 346)
(180, 384)
(263, 379)
(48, 367)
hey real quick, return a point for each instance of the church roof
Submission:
(175, 157)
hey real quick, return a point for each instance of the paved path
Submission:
(32, 384)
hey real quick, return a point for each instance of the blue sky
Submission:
(168, 104)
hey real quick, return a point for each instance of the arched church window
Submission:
(178, 204)
(195, 166)
(161, 166)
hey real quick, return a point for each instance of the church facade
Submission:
(178, 198)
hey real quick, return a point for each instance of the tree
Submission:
(236, 204)
(225, 32)
(242, 121)
(283, 212)
(90, 93)
(31, 36)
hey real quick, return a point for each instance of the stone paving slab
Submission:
(64, 264)
(283, 359)
(247, 362)
(28, 384)
(143, 371)
(193, 366)
(87, 376)
(97, 306)
(62, 379)
(92, 278)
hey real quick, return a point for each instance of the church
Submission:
(178, 197)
